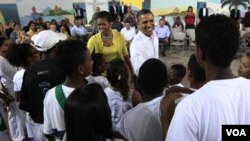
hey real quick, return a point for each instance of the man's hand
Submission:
(166, 40)
(7, 98)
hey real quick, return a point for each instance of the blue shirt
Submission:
(34, 16)
(162, 32)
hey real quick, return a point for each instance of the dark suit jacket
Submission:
(81, 12)
(247, 19)
(201, 13)
(232, 14)
(124, 11)
(112, 11)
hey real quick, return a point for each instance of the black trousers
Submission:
(165, 44)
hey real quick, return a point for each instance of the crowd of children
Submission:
(56, 88)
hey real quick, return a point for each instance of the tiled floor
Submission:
(182, 56)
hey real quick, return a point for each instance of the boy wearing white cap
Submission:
(40, 78)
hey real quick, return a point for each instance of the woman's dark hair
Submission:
(97, 62)
(30, 23)
(87, 115)
(152, 77)
(2, 39)
(18, 54)
(63, 23)
(190, 7)
(53, 21)
(45, 25)
(104, 15)
(117, 75)
(71, 54)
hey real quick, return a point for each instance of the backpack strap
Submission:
(60, 96)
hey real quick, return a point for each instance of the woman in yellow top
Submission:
(108, 42)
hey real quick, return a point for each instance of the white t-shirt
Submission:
(143, 48)
(204, 11)
(101, 80)
(200, 116)
(117, 105)
(7, 72)
(53, 113)
(18, 80)
(179, 85)
(128, 34)
(142, 123)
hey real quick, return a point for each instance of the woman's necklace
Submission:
(107, 40)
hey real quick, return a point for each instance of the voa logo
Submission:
(236, 132)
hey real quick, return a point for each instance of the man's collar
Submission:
(146, 38)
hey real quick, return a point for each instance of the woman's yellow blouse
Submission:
(117, 50)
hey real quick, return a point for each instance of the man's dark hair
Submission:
(71, 53)
(218, 37)
(104, 15)
(142, 12)
(180, 71)
(197, 72)
(152, 77)
(161, 19)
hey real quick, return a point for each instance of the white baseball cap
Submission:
(47, 39)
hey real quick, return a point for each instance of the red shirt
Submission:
(189, 19)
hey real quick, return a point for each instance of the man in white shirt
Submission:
(128, 32)
(145, 44)
(224, 99)
(163, 33)
(78, 31)
(143, 123)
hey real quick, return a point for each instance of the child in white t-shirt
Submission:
(99, 67)
(75, 60)
(22, 56)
